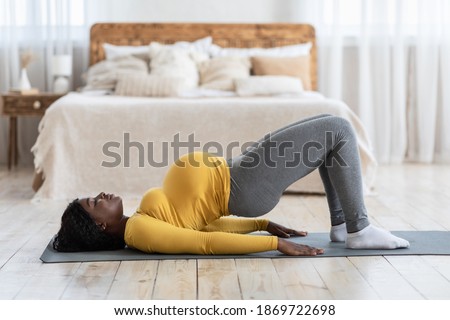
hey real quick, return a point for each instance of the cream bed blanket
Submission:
(79, 132)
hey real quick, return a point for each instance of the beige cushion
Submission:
(268, 85)
(103, 75)
(114, 51)
(219, 73)
(148, 85)
(286, 66)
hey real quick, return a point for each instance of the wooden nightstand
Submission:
(15, 105)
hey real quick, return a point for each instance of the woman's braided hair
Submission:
(79, 232)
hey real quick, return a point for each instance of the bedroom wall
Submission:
(192, 10)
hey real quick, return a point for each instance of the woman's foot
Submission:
(338, 233)
(372, 237)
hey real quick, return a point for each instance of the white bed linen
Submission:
(74, 130)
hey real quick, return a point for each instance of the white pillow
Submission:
(219, 73)
(148, 86)
(268, 86)
(112, 51)
(103, 75)
(202, 45)
(170, 61)
(285, 51)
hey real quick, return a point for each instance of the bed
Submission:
(89, 143)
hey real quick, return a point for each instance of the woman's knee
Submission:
(341, 124)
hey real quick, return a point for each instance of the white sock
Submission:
(338, 233)
(372, 237)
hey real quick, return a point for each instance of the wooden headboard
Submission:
(224, 35)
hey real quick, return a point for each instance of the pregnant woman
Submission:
(190, 212)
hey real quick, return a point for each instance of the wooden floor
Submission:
(409, 197)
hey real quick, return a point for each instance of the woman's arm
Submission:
(246, 225)
(283, 232)
(151, 235)
(237, 225)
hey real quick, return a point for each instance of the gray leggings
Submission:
(261, 174)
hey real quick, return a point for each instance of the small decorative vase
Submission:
(24, 82)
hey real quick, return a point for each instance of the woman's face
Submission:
(105, 209)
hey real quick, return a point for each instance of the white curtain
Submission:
(45, 28)
(390, 61)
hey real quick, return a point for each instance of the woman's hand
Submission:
(296, 249)
(283, 232)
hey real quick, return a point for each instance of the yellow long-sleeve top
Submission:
(189, 213)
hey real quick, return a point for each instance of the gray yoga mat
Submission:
(422, 243)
